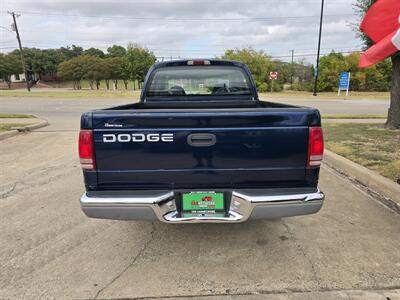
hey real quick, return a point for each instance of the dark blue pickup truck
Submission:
(201, 147)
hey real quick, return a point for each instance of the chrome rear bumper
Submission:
(244, 205)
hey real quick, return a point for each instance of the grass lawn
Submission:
(8, 126)
(122, 93)
(327, 95)
(85, 84)
(369, 145)
(353, 117)
(66, 93)
(15, 116)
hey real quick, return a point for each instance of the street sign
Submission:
(344, 83)
(273, 75)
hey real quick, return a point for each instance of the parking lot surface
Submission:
(49, 249)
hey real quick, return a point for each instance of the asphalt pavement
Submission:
(64, 113)
(49, 249)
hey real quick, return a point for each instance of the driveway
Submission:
(49, 249)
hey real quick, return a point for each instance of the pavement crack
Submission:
(303, 252)
(6, 194)
(41, 178)
(132, 261)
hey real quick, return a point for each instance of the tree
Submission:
(116, 51)
(125, 71)
(285, 71)
(9, 65)
(93, 70)
(393, 120)
(113, 70)
(74, 70)
(71, 52)
(108, 68)
(375, 78)
(52, 58)
(31, 56)
(330, 67)
(138, 61)
(94, 52)
(76, 51)
(43, 62)
(259, 63)
(82, 67)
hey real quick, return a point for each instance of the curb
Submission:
(383, 186)
(8, 134)
(393, 294)
(31, 127)
(16, 130)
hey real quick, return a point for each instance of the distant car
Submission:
(200, 132)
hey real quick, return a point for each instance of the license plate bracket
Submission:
(203, 203)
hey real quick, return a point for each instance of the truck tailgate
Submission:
(251, 148)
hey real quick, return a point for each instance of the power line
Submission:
(267, 48)
(201, 51)
(213, 47)
(299, 55)
(5, 28)
(183, 19)
(277, 57)
(315, 54)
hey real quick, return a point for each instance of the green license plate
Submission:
(202, 201)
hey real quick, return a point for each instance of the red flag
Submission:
(382, 25)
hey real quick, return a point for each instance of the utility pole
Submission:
(15, 28)
(319, 48)
(291, 70)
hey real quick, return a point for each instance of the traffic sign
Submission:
(273, 75)
(344, 83)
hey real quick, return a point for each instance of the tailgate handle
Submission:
(201, 139)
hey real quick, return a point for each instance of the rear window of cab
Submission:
(192, 81)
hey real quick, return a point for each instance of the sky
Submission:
(184, 28)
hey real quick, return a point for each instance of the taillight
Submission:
(315, 147)
(86, 150)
